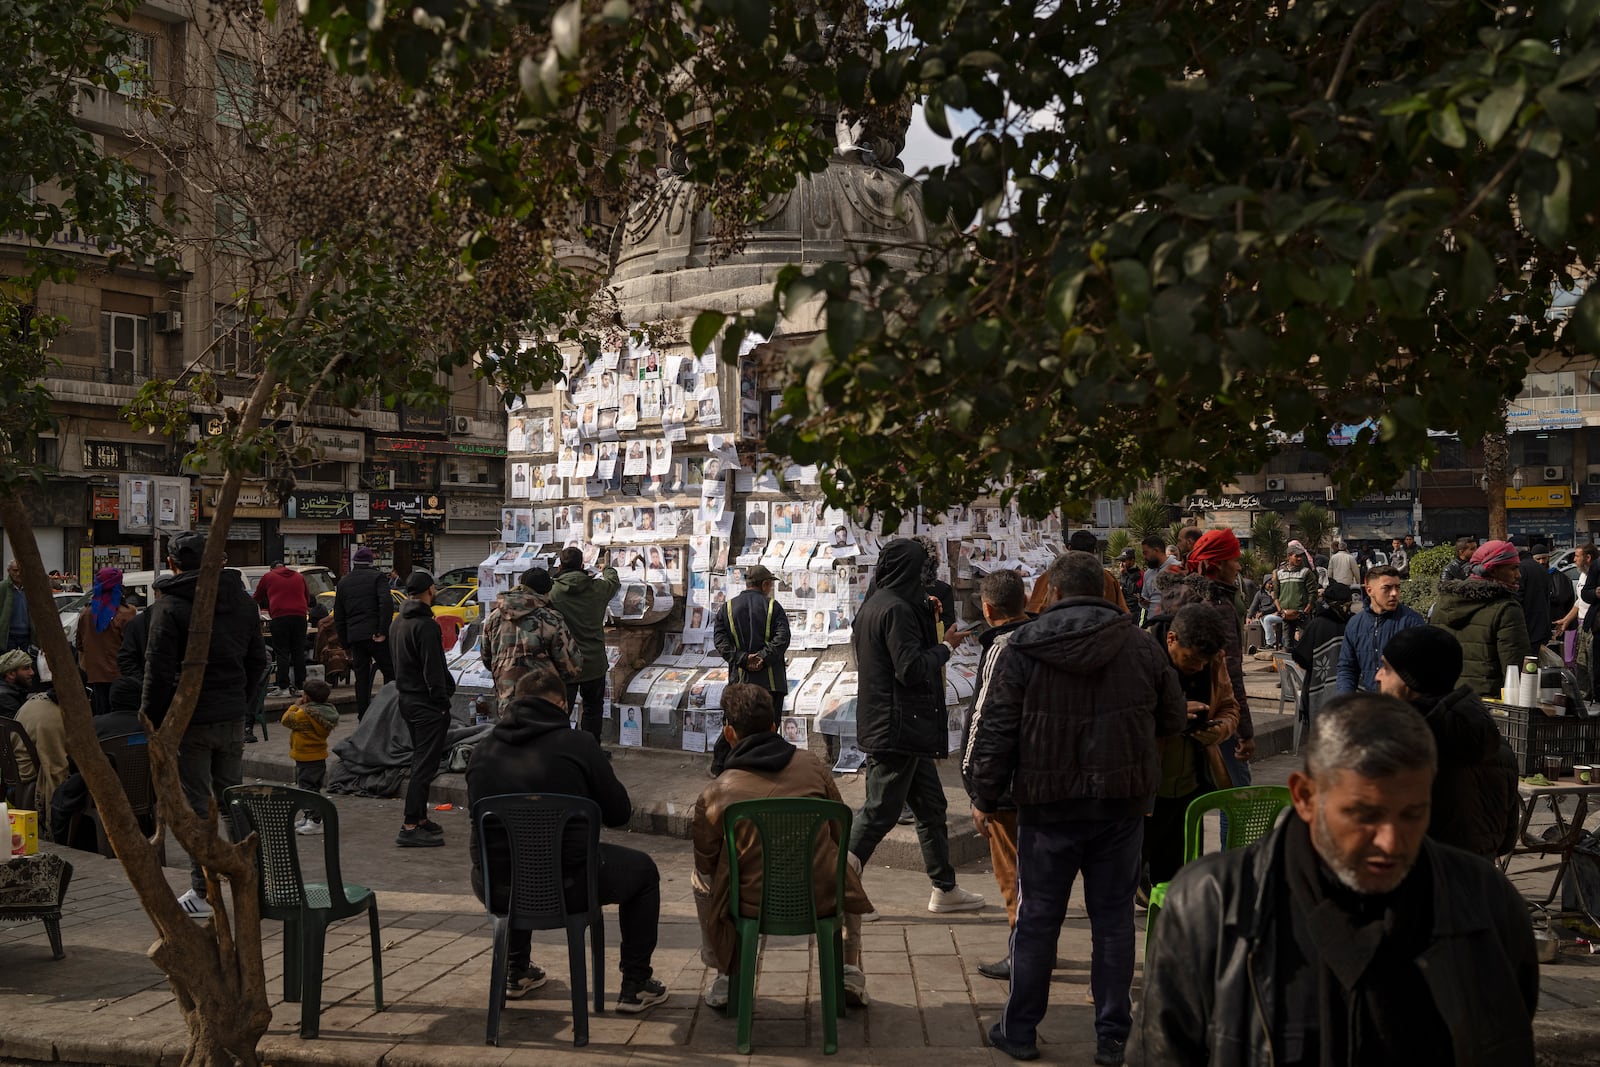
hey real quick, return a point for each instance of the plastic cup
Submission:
(1552, 767)
(1584, 773)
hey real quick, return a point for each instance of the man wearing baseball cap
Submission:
(1484, 614)
(752, 634)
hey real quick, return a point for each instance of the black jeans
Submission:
(289, 647)
(719, 752)
(210, 760)
(363, 655)
(428, 728)
(1163, 835)
(593, 692)
(629, 879)
(1050, 856)
(894, 781)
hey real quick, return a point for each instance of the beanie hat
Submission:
(538, 579)
(418, 582)
(363, 555)
(188, 549)
(1337, 593)
(1427, 659)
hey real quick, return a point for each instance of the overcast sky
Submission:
(924, 148)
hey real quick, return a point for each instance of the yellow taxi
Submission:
(459, 601)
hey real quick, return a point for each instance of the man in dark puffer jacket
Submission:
(1069, 722)
(1475, 789)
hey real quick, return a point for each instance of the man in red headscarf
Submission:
(1485, 615)
(1212, 578)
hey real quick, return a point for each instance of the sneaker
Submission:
(1000, 970)
(855, 986)
(417, 837)
(637, 996)
(1030, 1051)
(1109, 1053)
(906, 817)
(308, 828)
(250, 738)
(954, 899)
(194, 905)
(430, 827)
(716, 994)
(520, 981)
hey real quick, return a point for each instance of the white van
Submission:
(138, 588)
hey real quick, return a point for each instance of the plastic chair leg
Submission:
(1149, 933)
(497, 978)
(597, 950)
(292, 955)
(828, 964)
(316, 933)
(749, 947)
(377, 955)
(580, 985)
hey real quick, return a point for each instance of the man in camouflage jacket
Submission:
(522, 629)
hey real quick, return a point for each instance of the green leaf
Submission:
(754, 18)
(1477, 274)
(1585, 321)
(1497, 111)
(1446, 126)
(706, 326)
(847, 321)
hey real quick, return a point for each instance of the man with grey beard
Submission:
(1345, 936)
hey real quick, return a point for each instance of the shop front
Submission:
(254, 525)
(318, 529)
(58, 509)
(399, 528)
(1541, 513)
(471, 529)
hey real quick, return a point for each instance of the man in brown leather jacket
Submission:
(1346, 935)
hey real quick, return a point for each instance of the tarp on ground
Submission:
(375, 760)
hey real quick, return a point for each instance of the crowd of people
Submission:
(1367, 927)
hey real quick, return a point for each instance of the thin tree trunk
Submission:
(1496, 453)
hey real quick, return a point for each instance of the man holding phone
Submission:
(900, 717)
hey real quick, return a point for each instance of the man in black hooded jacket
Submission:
(1475, 787)
(900, 717)
(211, 754)
(533, 749)
(423, 687)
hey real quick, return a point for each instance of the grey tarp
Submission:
(375, 760)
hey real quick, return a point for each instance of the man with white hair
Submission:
(1346, 935)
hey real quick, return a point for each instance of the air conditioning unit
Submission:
(167, 321)
(1594, 475)
(1555, 474)
(460, 424)
(1276, 485)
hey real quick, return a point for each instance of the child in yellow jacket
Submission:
(310, 722)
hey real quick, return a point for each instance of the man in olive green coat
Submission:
(1484, 614)
(581, 599)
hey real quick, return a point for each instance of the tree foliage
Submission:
(1314, 524)
(1269, 539)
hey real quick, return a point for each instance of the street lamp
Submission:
(1516, 479)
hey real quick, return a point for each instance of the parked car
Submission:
(458, 576)
(460, 601)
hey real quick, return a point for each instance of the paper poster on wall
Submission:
(629, 731)
(694, 731)
(660, 458)
(588, 461)
(638, 461)
(851, 759)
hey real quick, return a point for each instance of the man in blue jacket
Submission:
(1369, 631)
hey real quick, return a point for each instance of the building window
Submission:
(1540, 450)
(125, 340)
(236, 91)
(102, 456)
(1558, 383)
(134, 66)
(467, 471)
(236, 227)
(233, 348)
(134, 189)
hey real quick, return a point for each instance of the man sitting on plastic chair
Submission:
(533, 749)
(763, 765)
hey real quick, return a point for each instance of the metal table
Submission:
(1569, 828)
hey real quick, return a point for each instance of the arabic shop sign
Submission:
(407, 506)
(418, 445)
(319, 506)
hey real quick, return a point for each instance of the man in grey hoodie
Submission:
(581, 599)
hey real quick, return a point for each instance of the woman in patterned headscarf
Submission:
(100, 626)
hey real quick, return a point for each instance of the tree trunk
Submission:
(1496, 451)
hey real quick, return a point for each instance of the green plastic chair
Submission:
(1248, 813)
(304, 908)
(786, 829)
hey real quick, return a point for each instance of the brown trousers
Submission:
(1003, 854)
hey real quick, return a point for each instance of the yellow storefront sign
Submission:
(1539, 496)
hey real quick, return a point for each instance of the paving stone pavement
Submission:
(106, 1003)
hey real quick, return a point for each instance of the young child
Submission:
(310, 722)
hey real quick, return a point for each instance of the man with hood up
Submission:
(424, 686)
(581, 599)
(1484, 614)
(900, 717)
(522, 630)
(211, 754)
(1069, 722)
(533, 749)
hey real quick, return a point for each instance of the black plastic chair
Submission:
(19, 793)
(305, 908)
(130, 757)
(535, 826)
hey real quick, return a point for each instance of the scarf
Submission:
(1214, 546)
(105, 597)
